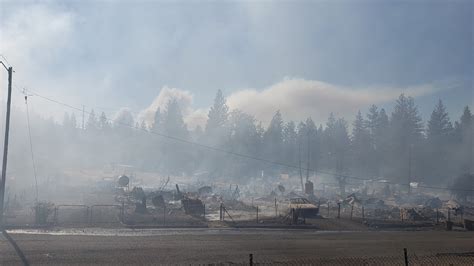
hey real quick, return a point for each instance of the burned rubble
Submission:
(264, 202)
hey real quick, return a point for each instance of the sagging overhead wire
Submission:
(31, 143)
(196, 144)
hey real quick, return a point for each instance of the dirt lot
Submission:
(194, 246)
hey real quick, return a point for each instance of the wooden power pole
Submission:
(5, 145)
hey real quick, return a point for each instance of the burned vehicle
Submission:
(303, 207)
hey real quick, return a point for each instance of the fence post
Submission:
(220, 213)
(449, 224)
(352, 210)
(122, 214)
(363, 215)
(406, 256)
(328, 209)
(338, 210)
(437, 217)
(251, 259)
(164, 215)
(293, 216)
(55, 216)
(204, 211)
(276, 210)
(257, 214)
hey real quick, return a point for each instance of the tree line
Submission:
(395, 146)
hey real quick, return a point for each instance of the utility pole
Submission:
(308, 155)
(5, 145)
(299, 160)
(409, 168)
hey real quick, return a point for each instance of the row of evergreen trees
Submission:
(395, 146)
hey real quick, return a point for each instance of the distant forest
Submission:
(384, 144)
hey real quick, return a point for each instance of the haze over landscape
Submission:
(319, 115)
(306, 59)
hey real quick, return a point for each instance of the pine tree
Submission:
(328, 143)
(406, 121)
(173, 123)
(406, 136)
(342, 147)
(331, 123)
(464, 132)
(273, 139)
(373, 120)
(342, 144)
(104, 124)
(381, 144)
(439, 124)
(465, 125)
(274, 133)
(383, 122)
(177, 155)
(92, 124)
(308, 138)
(438, 145)
(243, 139)
(290, 143)
(359, 130)
(361, 146)
(216, 135)
(218, 114)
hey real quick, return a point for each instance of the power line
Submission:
(5, 59)
(31, 144)
(239, 154)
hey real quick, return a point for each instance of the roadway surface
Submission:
(206, 246)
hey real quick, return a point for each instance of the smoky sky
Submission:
(122, 53)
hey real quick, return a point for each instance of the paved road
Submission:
(221, 246)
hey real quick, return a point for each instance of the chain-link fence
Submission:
(268, 212)
(405, 258)
(396, 217)
(370, 216)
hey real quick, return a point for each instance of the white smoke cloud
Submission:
(192, 117)
(124, 116)
(298, 99)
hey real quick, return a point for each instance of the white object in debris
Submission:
(414, 184)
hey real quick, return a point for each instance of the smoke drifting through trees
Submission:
(381, 144)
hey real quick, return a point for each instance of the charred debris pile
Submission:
(283, 201)
(279, 203)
